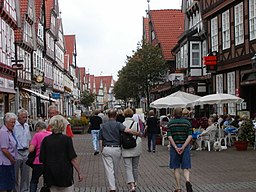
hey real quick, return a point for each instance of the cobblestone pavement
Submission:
(226, 171)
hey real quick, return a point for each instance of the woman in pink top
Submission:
(35, 145)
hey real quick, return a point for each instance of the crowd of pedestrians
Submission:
(55, 154)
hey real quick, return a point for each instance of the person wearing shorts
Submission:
(180, 134)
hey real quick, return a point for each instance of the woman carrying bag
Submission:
(131, 156)
(35, 144)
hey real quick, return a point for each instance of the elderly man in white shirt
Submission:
(23, 137)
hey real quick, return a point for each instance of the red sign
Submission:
(237, 92)
(210, 60)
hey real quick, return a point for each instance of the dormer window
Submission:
(153, 36)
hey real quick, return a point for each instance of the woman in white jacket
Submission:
(131, 156)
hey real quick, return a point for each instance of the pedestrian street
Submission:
(225, 171)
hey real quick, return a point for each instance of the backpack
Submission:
(127, 140)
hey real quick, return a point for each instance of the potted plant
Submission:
(246, 135)
(79, 124)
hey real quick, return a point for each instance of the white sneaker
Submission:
(199, 149)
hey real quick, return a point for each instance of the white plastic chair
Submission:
(164, 136)
(221, 136)
(211, 140)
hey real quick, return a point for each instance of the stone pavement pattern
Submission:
(226, 171)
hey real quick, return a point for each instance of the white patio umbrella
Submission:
(218, 98)
(170, 102)
(177, 99)
(183, 94)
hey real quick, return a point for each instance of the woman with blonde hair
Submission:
(131, 156)
(59, 157)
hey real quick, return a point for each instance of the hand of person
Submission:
(80, 177)
(180, 150)
(12, 161)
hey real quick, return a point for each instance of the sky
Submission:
(107, 30)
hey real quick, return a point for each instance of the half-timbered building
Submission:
(231, 33)
(9, 21)
(25, 44)
(190, 74)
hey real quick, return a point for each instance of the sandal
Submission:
(177, 190)
(132, 189)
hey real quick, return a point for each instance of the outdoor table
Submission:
(195, 134)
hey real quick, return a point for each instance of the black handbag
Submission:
(127, 140)
(31, 158)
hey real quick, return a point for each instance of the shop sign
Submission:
(56, 95)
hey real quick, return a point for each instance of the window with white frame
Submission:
(34, 60)
(178, 60)
(40, 31)
(204, 49)
(27, 32)
(185, 55)
(214, 33)
(231, 81)
(231, 84)
(219, 89)
(182, 57)
(219, 83)
(225, 30)
(239, 25)
(252, 19)
(195, 56)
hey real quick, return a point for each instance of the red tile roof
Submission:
(70, 43)
(66, 62)
(38, 5)
(92, 80)
(97, 84)
(49, 5)
(106, 82)
(23, 10)
(168, 26)
(82, 74)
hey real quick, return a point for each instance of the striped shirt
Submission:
(179, 129)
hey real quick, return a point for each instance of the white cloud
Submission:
(107, 30)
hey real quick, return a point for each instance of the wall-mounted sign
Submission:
(39, 79)
(55, 95)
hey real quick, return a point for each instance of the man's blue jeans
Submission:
(95, 139)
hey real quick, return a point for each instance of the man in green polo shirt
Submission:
(180, 134)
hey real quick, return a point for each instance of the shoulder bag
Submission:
(127, 140)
